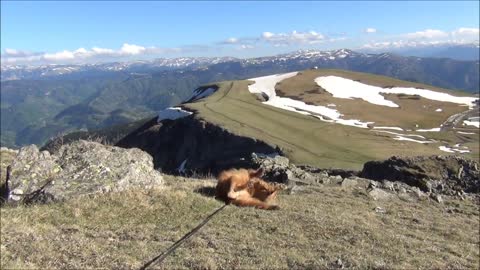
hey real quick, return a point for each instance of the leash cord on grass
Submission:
(175, 245)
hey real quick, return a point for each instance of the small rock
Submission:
(380, 194)
(323, 174)
(323, 180)
(16, 195)
(339, 263)
(295, 189)
(388, 185)
(380, 210)
(436, 197)
(418, 193)
(347, 182)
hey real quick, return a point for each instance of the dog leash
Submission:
(175, 245)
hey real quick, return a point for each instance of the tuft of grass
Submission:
(314, 229)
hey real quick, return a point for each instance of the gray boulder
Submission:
(380, 194)
(80, 168)
(279, 169)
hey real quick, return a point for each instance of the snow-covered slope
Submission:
(172, 113)
(346, 88)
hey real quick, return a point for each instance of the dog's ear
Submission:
(258, 173)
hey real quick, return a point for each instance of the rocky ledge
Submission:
(409, 178)
(79, 168)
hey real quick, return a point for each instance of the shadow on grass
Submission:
(206, 191)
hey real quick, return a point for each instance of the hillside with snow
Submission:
(324, 118)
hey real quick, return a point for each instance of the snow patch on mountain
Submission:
(267, 84)
(172, 113)
(345, 88)
(473, 121)
(452, 150)
(401, 138)
(429, 130)
(392, 128)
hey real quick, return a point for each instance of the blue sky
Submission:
(68, 31)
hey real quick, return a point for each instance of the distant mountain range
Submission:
(40, 102)
(19, 72)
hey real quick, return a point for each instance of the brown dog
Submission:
(243, 187)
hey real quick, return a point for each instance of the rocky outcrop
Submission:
(80, 168)
(189, 145)
(438, 174)
(279, 169)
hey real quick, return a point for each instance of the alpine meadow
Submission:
(240, 135)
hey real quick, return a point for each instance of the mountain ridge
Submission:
(140, 93)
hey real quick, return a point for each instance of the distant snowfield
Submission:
(452, 150)
(405, 137)
(472, 122)
(267, 84)
(392, 128)
(401, 138)
(429, 130)
(399, 134)
(172, 113)
(345, 88)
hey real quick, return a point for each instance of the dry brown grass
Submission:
(314, 229)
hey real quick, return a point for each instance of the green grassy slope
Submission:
(304, 139)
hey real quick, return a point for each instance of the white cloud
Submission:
(467, 31)
(128, 49)
(428, 37)
(97, 50)
(59, 56)
(246, 47)
(19, 53)
(408, 43)
(370, 30)
(267, 35)
(231, 40)
(12, 56)
(294, 37)
(427, 34)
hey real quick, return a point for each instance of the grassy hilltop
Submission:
(307, 140)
